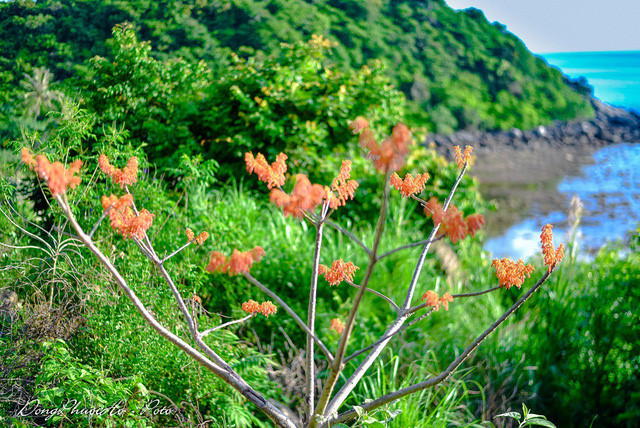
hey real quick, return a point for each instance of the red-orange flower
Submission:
(337, 325)
(451, 222)
(199, 239)
(359, 124)
(217, 261)
(237, 263)
(343, 187)
(139, 225)
(202, 237)
(474, 223)
(510, 273)
(305, 197)
(124, 176)
(461, 158)
(434, 300)
(123, 219)
(27, 157)
(340, 271)
(445, 299)
(251, 306)
(409, 186)
(267, 308)
(272, 174)
(190, 235)
(391, 154)
(551, 256)
(58, 178)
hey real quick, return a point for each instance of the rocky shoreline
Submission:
(520, 171)
(610, 125)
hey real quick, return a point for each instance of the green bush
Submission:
(585, 342)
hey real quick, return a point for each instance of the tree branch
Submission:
(350, 235)
(229, 376)
(290, 311)
(388, 398)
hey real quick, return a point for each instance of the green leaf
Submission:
(514, 415)
(539, 422)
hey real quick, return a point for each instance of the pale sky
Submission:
(565, 25)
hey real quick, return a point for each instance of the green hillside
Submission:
(456, 69)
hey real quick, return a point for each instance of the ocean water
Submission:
(608, 186)
(615, 76)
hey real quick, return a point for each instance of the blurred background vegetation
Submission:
(188, 87)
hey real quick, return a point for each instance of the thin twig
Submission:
(377, 293)
(104, 214)
(350, 235)
(177, 251)
(422, 201)
(310, 364)
(425, 249)
(290, 311)
(227, 324)
(404, 327)
(413, 244)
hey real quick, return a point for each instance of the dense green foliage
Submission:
(456, 69)
(177, 89)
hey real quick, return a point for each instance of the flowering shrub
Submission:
(313, 203)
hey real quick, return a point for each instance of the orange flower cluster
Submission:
(124, 176)
(200, 239)
(432, 299)
(58, 178)
(272, 174)
(551, 256)
(337, 325)
(124, 220)
(340, 271)
(305, 197)
(343, 187)
(239, 261)
(461, 158)
(391, 154)
(451, 221)
(511, 273)
(409, 185)
(265, 308)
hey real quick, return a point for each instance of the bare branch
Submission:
(310, 364)
(104, 214)
(227, 324)
(177, 251)
(350, 235)
(291, 312)
(338, 364)
(388, 336)
(403, 314)
(388, 398)
(411, 245)
(225, 373)
(425, 249)
(377, 293)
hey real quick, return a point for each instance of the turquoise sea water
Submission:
(615, 76)
(609, 187)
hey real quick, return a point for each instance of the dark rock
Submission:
(610, 125)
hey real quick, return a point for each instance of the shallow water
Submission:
(607, 183)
